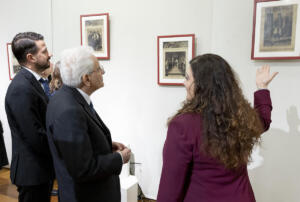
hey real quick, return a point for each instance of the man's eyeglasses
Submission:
(101, 68)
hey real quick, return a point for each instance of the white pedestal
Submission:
(129, 185)
(129, 189)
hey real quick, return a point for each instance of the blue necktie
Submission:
(46, 87)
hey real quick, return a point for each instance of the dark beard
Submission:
(41, 67)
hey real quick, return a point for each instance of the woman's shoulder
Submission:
(187, 127)
(187, 120)
(189, 117)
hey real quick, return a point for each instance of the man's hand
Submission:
(124, 151)
(125, 154)
(117, 146)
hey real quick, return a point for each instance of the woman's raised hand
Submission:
(263, 77)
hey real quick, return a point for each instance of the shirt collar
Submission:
(85, 96)
(36, 75)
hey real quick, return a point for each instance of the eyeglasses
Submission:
(101, 68)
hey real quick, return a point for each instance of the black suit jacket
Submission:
(3, 155)
(81, 146)
(26, 105)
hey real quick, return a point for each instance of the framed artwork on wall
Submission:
(13, 65)
(276, 30)
(173, 55)
(94, 29)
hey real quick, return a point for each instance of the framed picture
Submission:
(13, 66)
(276, 30)
(174, 53)
(95, 33)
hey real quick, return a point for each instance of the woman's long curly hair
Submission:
(231, 127)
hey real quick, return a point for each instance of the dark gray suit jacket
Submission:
(81, 146)
(25, 105)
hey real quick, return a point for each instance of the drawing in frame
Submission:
(276, 30)
(173, 54)
(13, 65)
(94, 29)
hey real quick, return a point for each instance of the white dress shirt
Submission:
(85, 96)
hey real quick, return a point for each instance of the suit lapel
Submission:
(87, 109)
(100, 123)
(104, 127)
(29, 76)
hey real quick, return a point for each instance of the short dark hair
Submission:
(24, 43)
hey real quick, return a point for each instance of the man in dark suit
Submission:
(25, 104)
(86, 161)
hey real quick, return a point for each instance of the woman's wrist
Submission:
(262, 87)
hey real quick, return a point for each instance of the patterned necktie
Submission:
(46, 87)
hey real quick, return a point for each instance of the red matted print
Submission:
(13, 65)
(276, 30)
(94, 30)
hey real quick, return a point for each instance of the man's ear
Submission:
(86, 80)
(30, 58)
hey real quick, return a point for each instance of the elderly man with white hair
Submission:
(87, 163)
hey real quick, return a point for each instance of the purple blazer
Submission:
(190, 176)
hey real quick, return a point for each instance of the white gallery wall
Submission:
(131, 103)
(278, 179)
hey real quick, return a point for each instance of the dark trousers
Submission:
(36, 193)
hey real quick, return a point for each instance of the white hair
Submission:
(74, 64)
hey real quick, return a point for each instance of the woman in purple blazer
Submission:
(210, 139)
